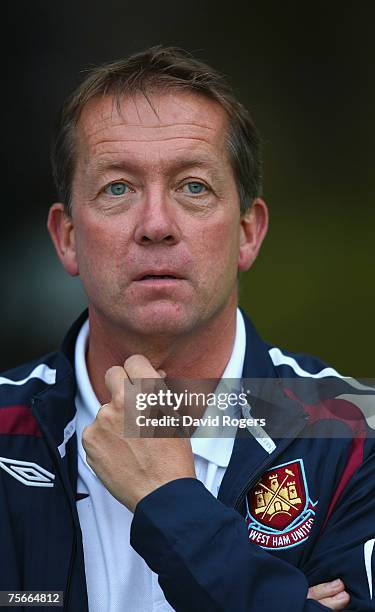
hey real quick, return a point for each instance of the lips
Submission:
(158, 275)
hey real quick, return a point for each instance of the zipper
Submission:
(70, 572)
(55, 460)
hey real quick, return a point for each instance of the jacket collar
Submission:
(258, 367)
(285, 420)
(54, 409)
(54, 406)
(258, 363)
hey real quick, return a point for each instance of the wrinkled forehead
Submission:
(152, 116)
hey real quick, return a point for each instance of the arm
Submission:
(330, 594)
(197, 546)
(200, 550)
(189, 520)
(346, 546)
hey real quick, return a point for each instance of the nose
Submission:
(157, 222)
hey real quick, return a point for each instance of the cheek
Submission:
(223, 240)
(100, 251)
(218, 250)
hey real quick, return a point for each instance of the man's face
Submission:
(155, 212)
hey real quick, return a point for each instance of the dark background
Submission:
(306, 71)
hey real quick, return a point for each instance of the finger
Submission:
(103, 406)
(337, 602)
(147, 380)
(325, 589)
(143, 376)
(138, 366)
(114, 379)
(137, 393)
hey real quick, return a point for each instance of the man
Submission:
(158, 170)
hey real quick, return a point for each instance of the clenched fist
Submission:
(129, 467)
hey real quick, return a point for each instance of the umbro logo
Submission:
(29, 473)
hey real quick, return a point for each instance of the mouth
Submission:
(158, 276)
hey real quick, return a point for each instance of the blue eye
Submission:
(117, 189)
(195, 188)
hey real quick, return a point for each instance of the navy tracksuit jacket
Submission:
(298, 515)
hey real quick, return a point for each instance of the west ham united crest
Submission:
(280, 513)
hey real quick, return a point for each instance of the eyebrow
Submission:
(102, 166)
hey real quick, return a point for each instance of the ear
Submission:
(61, 229)
(253, 228)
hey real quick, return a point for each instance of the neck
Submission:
(202, 353)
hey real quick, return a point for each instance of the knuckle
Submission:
(132, 361)
(136, 358)
(112, 372)
(135, 364)
(87, 435)
(313, 592)
(101, 416)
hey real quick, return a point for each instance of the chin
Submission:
(169, 319)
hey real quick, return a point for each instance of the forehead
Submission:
(169, 121)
